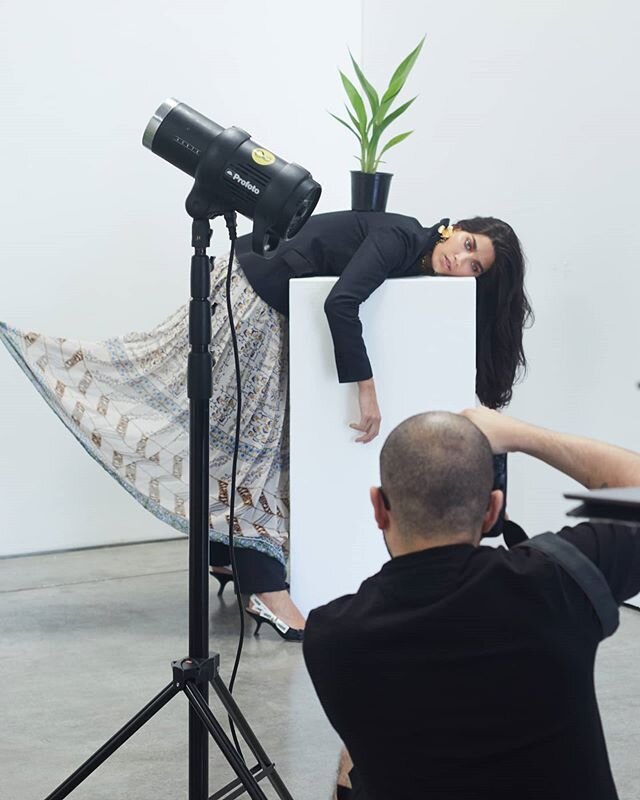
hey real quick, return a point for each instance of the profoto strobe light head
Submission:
(233, 173)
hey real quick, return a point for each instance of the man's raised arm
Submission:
(592, 463)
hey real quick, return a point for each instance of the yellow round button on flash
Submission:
(262, 157)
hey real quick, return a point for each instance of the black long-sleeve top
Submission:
(363, 249)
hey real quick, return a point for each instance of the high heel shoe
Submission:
(263, 613)
(223, 579)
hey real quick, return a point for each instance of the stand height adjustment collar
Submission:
(194, 670)
(200, 234)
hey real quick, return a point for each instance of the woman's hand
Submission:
(370, 416)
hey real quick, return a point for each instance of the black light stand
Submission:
(193, 674)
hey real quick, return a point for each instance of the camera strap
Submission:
(585, 573)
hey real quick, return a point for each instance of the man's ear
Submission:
(379, 511)
(496, 501)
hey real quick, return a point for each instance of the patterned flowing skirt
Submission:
(125, 400)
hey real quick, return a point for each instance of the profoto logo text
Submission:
(244, 183)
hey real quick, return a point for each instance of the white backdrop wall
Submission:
(528, 111)
(94, 239)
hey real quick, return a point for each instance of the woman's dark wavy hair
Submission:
(502, 313)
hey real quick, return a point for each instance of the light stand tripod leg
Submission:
(118, 739)
(232, 708)
(204, 713)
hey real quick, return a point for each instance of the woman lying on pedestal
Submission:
(125, 398)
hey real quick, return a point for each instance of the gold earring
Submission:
(445, 232)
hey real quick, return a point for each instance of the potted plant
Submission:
(370, 188)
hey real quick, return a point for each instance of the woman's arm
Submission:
(381, 253)
(370, 416)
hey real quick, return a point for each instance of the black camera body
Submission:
(499, 482)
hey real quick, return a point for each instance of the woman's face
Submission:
(463, 255)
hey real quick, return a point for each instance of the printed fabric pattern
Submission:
(125, 400)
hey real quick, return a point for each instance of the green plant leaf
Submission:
(387, 99)
(356, 101)
(395, 114)
(385, 105)
(371, 93)
(368, 130)
(346, 125)
(354, 120)
(392, 142)
(401, 74)
(384, 124)
(362, 135)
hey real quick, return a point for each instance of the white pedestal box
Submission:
(420, 336)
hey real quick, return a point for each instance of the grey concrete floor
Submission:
(86, 639)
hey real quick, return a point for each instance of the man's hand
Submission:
(344, 768)
(370, 417)
(504, 433)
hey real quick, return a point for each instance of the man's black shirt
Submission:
(467, 673)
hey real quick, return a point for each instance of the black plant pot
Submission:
(370, 190)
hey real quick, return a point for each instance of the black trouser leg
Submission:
(257, 572)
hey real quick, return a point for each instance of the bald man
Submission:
(466, 672)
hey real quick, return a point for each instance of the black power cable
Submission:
(230, 218)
